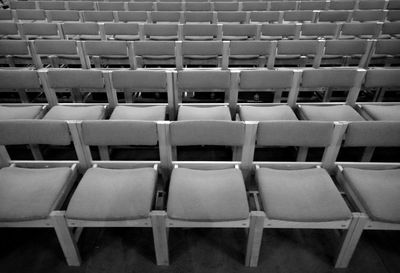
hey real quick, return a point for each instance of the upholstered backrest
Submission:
(250, 47)
(265, 79)
(203, 80)
(373, 133)
(19, 79)
(55, 47)
(382, 78)
(75, 78)
(105, 48)
(202, 48)
(13, 47)
(137, 79)
(329, 77)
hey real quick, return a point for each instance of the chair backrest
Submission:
(388, 47)
(232, 17)
(154, 48)
(391, 28)
(97, 16)
(279, 31)
(200, 16)
(111, 29)
(254, 5)
(22, 5)
(357, 29)
(348, 48)
(371, 4)
(30, 14)
(199, 30)
(132, 16)
(198, 6)
(6, 15)
(165, 16)
(299, 16)
(50, 5)
(313, 5)
(8, 28)
(41, 29)
(111, 6)
(262, 49)
(80, 5)
(140, 6)
(19, 79)
(342, 4)
(334, 15)
(303, 48)
(320, 30)
(232, 31)
(70, 29)
(265, 16)
(169, 6)
(11, 48)
(203, 80)
(283, 5)
(226, 6)
(393, 15)
(369, 15)
(63, 15)
(377, 78)
(160, 31)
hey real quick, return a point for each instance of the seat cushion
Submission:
(263, 113)
(113, 194)
(29, 194)
(60, 112)
(139, 113)
(383, 112)
(307, 195)
(19, 112)
(207, 195)
(378, 191)
(331, 113)
(204, 113)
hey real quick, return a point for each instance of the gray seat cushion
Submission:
(331, 113)
(113, 194)
(139, 113)
(19, 112)
(60, 112)
(378, 191)
(263, 113)
(30, 194)
(204, 113)
(383, 112)
(207, 195)
(307, 195)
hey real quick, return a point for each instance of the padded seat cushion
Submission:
(378, 191)
(331, 113)
(307, 195)
(19, 112)
(60, 112)
(139, 113)
(207, 195)
(204, 113)
(383, 112)
(113, 194)
(263, 113)
(29, 194)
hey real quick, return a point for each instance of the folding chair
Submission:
(232, 17)
(50, 5)
(80, 5)
(371, 4)
(139, 87)
(111, 6)
(283, 5)
(302, 195)
(164, 16)
(369, 15)
(63, 16)
(155, 53)
(15, 53)
(360, 30)
(259, 82)
(97, 16)
(381, 81)
(81, 31)
(168, 6)
(334, 16)
(9, 30)
(57, 53)
(347, 53)
(29, 15)
(31, 191)
(202, 54)
(121, 31)
(386, 53)
(30, 31)
(224, 206)
(201, 32)
(226, 6)
(240, 32)
(140, 6)
(265, 17)
(199, 17)
(342, 4)
(279, 31)
(325, 31)
(299, 53)
(20, 81)
(132, 16)
(390, 30)
(131, 204)
(160, 32)
(251, 53)
(198, 6)
(299, 16)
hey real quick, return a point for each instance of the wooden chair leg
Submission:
(254, 238)
(160, 234)
(65, 238)
(302, 154)
(368, 153)
(37, 154)
(350, 240)
(104, 154)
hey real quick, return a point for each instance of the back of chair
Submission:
(373, 134)
(99, 48)
(382, 78)
(154, 48)
(75, 78)
(132, 16)
(19, 79)
(203, 80)
(150, 80)
(265, 79)
(80, 28)
(97, 16)
(13, 47)
(340, 77)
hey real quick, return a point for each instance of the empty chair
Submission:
(97, 16)
(111, 6)
(20, 81)
(359, 30)
(313, 5)
(199, 32)
(198, 6)
(81, 31)
(169, 6)
(121, 31)
(40, 31)
(80, 5)
(140, 6)
(265, 17)
(385, 52)
(299, 53)
(319, 31)
(254, 5)
(50, 5)
(202, 54)
(226, 6)
(132, 16)
(283, 5)
(368, 15)
(198, 17)
(136, 85)
(232, 17)
(382, 81)
(240, 32)
(57, 53)
(160, 32)
(15, 53)
(165, 16)
(9, 30)
(279, 31)
(346, 53)
(342, 4)
(107, 54)
(155, 53)
(390, 30)
(334, 16)
(251, 53)
(62, 16)
(30, 15)
(299, 16)
(371, 4)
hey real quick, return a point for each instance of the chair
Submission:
(386, 53)
(140, 6)
(15, 53)
(381, 81)
(380, 111)
(347, 53)
(342, 4)
(164, 16)
(313, 5)
(44, 183)
(136, 84)
(132, 16)
(57, 53)
(155, 53)
(232, 17)
(198, 6)
(160, 32)
(9, 30)
(303, 195)
(254, 6)
(97, 16)
(81, 31)
(371, 4)
(360, 30)
(107, 54)
(259, 82)
(80, 5)
(111, 6)
(393, 15)
(226, 6)
(199, 17)
(251, 53)
(29, 15)
(62, 15)
(319, 31)
(169, 6)
(131, 203)
(265, 17)
(280, 31)
(299, 53)
(36, 30)
(240, 32)
(390, 30)
(369, 15)
(201, 32)
(22, 5)
(6, 15)
(393, 5)
(21, 111)
(202, 54)
(283, 5)
(121, 31)
(11, 81)
(334, 16)
(299, 16)
(50, 5)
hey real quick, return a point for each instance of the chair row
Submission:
(206, 194)
(204, 17)
(191, 54)
(177, 89)
(205, 5)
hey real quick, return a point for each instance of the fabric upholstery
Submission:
(207, 195)
(113, 194)
(139, 113)
(136, 79)
(203, 79)
(265, 79)
(382, 78)
(378, 191)
(383, 112)
(204, 113)
(30, 194)
(12, 79)
(261, 113)
(373, 133)
(61, 112)
(328, 77)
(75, 78)
(307, 195)
(23, 112)
(331, 113)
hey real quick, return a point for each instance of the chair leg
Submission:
(65, 238)
(254, 238)
(350, 240)
(160, 234)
